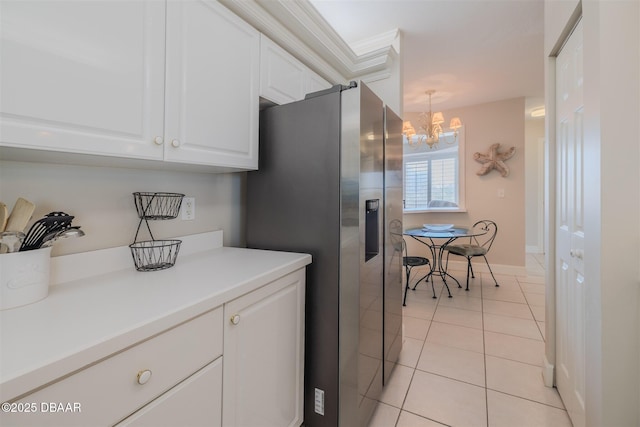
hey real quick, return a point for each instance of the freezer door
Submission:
(293, 204)
(368, 301)
(392, 310)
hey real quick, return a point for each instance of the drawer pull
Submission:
(144, 376)
(175, 143)
(158, 140)
(235, 319)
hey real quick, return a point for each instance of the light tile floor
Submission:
(474, 359)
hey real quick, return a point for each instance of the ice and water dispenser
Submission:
(372, 228)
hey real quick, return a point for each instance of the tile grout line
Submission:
(484, 351)
(544, 338)
(430, 319)
(423, 349)
(415, 368)
(527, 399)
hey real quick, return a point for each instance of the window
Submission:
(434, 177)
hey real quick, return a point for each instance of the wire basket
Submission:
(153, 255)
(158, 205)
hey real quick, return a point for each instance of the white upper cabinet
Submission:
(283, 78)
(314, 83)
(212, 101)
(89, 77)
(281, 75)
(83, 77)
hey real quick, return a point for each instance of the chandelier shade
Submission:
(430, 127)
(437, 118)
(456, 123)
(407, 129)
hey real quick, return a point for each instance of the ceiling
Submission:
(469, 51)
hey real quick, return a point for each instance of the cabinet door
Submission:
(197, 401)
(283, 78)
(281, 75)
(264, 355)
(314, 83)
(212, 97)
(83, 76)
(113, 388)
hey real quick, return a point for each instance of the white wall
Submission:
(485, 124)
(533, 187)
(100, 199)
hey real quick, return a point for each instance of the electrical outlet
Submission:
(501, 193)
(188, 208)
(319, 401)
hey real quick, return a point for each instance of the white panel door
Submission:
(263, 370)
(213, 71)
(570, 279)
(83, 76)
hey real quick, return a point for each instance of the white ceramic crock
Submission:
(24, 277)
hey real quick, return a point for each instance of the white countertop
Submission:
(89, 318)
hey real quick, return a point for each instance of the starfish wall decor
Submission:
(494, 160)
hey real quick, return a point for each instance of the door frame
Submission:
(548, 367)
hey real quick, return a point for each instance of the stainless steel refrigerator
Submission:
(329, 182)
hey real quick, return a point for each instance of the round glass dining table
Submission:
(437, 239)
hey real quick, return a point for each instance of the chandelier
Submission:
(431, 125)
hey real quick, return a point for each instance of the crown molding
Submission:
(298, 28)
(380, 41)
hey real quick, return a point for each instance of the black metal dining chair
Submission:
(408, 262)
(477, 246)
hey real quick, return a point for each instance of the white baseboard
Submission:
(547, 372)
(481, 267)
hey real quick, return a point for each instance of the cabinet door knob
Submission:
(235, 319)
(158, 140)
(175, 143)
(144, 376)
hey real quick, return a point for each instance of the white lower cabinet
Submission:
(181, 377)
(197, 401)
(110, 390)
(264, 356)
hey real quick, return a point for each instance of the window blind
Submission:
(416, 185)
(443, 180)
(430, 178)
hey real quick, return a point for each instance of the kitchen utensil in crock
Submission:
(51, 238)
(4, 215)
(52, 222)
(20, 215)
(10, 241)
